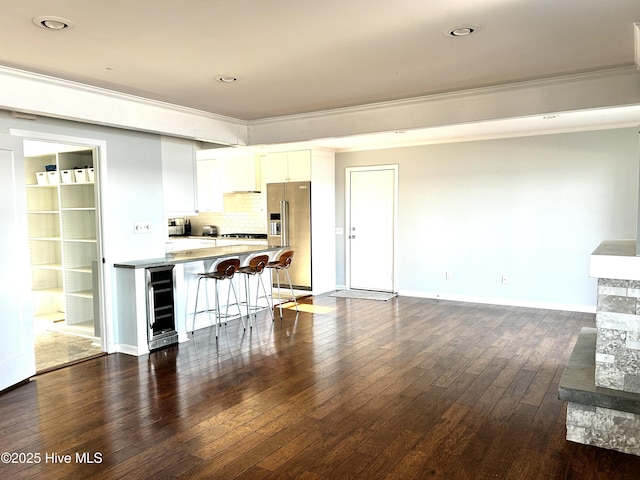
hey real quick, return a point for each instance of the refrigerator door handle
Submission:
(284, 215)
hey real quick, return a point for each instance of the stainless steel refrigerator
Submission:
(289, 223)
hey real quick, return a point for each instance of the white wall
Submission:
(131, 191)
(531, 208)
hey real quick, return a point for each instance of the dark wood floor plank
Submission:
(274, 445)
(380, 412)
(416, 460)
(409, 388)
(482, 381)
(504, 446)
(462, 433)
(309, 450)
(341, 451)
(389, 457)
(526, 464)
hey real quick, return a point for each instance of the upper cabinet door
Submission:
(238, 169)
(299, 166)
(209, 193)
(179, 181)
(294, 166)
(274, 167)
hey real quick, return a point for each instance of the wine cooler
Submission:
(161, 314)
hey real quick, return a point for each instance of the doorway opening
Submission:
(371, 219)
(61, 187)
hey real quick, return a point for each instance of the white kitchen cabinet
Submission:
(294, 166)
(274, 167)
(62, 225)
(179, 182)
(238, 168)
(299, 166)
(210, 197)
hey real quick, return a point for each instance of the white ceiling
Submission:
(298, 56)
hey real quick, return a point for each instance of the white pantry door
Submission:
(371, 227)
(17, 358)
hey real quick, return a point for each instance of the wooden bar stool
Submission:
(254, 265)
(282, 263)
(221, 270)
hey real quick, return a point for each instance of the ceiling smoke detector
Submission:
(49, 22)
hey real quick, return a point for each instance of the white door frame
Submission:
(347, 217)
(17, 358)
(104, 276)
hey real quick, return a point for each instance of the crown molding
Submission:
(600, 89)
(38, 94)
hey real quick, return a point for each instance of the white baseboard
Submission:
(129, 350)
(500, 301)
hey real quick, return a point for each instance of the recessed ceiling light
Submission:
(226, 78)
(49, 22)
(461, 31)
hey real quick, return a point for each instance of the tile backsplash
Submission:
(243, 213)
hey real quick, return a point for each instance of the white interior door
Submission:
(17, 358)
(371, 227)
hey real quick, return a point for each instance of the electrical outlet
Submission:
(142, 227)
(505, 279)
(448, 275)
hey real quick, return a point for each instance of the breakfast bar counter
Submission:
(134, 302)
(198, 255)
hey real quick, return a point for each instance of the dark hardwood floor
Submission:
(405, 389)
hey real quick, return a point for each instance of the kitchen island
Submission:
(131, 289)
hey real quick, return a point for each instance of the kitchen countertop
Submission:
(186, 256)
(212, 237)
(195, 237)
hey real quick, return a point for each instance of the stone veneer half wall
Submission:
(596, 416)
(618, 340)
(603, 427)
(601, 382)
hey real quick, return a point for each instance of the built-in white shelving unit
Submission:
(62, 237)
